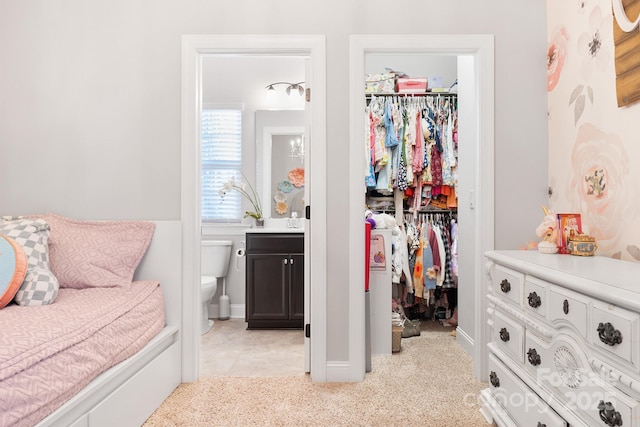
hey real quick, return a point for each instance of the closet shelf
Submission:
(448, 94)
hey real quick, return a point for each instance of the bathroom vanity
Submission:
(274, 279)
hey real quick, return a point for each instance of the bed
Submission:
(97, 354)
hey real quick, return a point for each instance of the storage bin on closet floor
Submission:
(396, 338)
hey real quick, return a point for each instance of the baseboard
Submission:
(465, 341)
(338, 372)
(236, 311)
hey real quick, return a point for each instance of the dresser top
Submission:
(608, 279)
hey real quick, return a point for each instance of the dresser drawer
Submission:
(535, 296)
(507, 283)
(568, 308)
(563, 369)
(508, 335)
(615, 330)
(525, 407)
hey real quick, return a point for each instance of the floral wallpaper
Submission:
(592, 142)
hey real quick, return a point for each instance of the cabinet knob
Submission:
(534, 300)
(504, 334)
(505, 286)
(541, 425)
(533, 357)
(286, 260)
(608, 334)
(609, 415)
(493, 377)
(565, 306)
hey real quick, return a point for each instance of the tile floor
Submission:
(230, 350)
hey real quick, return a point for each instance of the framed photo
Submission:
(569, 225)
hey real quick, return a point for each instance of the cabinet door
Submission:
(296, 287)
(267, 283)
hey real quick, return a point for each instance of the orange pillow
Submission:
(13, 268)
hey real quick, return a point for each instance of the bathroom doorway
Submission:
(306, 48)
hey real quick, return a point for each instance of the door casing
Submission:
(194, 47)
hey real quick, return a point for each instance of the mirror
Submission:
(280, 162)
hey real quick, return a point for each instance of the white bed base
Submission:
(128, 393)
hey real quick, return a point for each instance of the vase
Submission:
(259, 222)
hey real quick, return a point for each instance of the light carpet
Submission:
(430, 382)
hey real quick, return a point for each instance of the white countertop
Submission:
(277, 225)
(274, 230)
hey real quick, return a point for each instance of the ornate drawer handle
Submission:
(541, 425)
(609, 415)
(505, 286)
(565, 306)
(533, 356)
(504, 334)
(495, 381)
(608, 334)
(534, 300)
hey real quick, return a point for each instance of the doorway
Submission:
(475, 204)
(195, 48)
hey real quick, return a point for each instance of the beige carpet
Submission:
(429, 382)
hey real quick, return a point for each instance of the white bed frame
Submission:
(128, 393)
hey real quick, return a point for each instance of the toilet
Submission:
(215, 264)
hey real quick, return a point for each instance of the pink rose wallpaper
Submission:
(592, 142)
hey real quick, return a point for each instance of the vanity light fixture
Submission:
(292, 88)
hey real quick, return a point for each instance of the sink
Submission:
(278, 225)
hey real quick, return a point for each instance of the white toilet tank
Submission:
(215, 257)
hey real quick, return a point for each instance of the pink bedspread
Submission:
(49, 353)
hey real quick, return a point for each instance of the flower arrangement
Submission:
(246, 190)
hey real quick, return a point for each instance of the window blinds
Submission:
(221, 157)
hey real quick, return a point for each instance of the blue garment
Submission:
(427, 262)
(391, 137)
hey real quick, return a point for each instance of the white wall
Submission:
(90, 120)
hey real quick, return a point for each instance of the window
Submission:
(221, 157)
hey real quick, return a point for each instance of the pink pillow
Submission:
(93, 254)
(13, 268)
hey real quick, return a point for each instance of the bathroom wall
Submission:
(234, 80)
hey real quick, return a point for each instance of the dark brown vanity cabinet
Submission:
(275, 280)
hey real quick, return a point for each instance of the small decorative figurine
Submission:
(548, 232)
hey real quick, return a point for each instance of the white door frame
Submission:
(482, 49)
(194, 47)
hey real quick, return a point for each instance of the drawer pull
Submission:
(504, 334)
(533, 356)
(505, 286)
(608, 334)
(534, 300)
(565, 306)
(609, 415)
(541, 425)
(495, 381)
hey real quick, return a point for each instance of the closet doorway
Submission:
(475, 190)
(195, 49)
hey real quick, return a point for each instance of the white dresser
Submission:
(565, 341)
